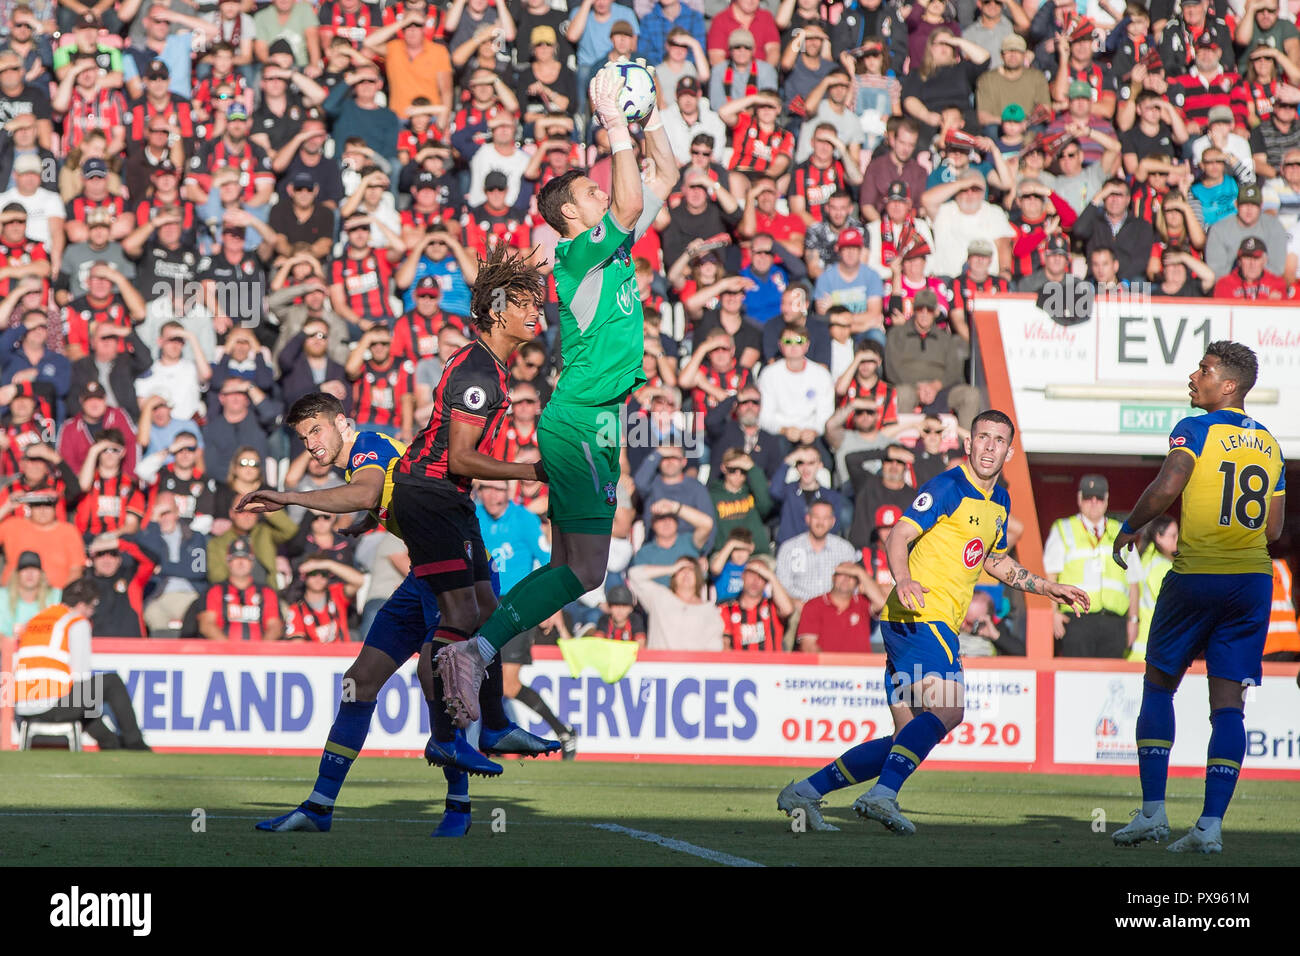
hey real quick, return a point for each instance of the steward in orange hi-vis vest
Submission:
(1283, 634)
(43, 663)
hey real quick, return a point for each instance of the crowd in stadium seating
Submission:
(210, 210)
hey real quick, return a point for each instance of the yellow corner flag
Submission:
(610, 659)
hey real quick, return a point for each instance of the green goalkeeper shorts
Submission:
(580, 451)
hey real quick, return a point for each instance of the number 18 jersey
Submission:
(1239, 470)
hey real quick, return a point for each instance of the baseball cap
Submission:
(740, 37)
(1221, 114)
(29, 559)
(1013, 113)
(1250, 193)
(887, 516)
(619, 595)
(428, 286)
(157, 69)
(425, 180)
(92, 389)
(1080, 90)
(302, 180)
(926, 299)
(40, 498)
(27, 163)
(979, 247)
(165, 168)
(1083, 30)
(621, 28)
(1014, 41)
(898, 190)
(237, 111)
(1094, 486)
(87, 19)
(959, 139)
(1206, 41)
(280, 46)
(495, 180)
(542, 33)
(94, 169)
(850, 239)
(239, 548)
(1057, 245)
(1253, 247)
(688, 84)
(99, 217)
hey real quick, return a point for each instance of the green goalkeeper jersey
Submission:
(601, 323)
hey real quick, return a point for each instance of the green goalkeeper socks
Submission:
(530, 602)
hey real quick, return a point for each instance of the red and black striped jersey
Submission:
(732, 381)
(415, 336)
(514, 439)
(433, 21)
(756, 628)
(205, 91)
(630, 630)
(411, 142)
(250, 159)
(176, 112)
(526, 499)
(105, 110)
(81, 313)
(76, 210)
(414, 219)
(965, 289)
(756, 149)
(377, 394)
(1097, 77)
(485, 230)
(365, 283)
(242, 613)
(53, 485)
(1147, 203)
(354, 26)
(817, 185)
(325, 624)
(1194, 96)
(19, 437)
(149, 207)
(886, 397)
(25, 253)
(106, 504)
(472, 391)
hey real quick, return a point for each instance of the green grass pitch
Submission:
(64, 809)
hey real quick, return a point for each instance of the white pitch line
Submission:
(681, 846)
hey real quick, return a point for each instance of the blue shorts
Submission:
(409, 617)
(916, 650)
(1223, 615)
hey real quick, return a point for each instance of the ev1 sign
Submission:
(1156, 347)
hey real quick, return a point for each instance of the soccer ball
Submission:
(638, 95)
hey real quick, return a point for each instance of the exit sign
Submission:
(1153, 419)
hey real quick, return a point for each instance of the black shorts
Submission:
(441, 532)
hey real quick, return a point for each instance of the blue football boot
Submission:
(461, 756)
(455, 820)
(513, 739)
(302, 819)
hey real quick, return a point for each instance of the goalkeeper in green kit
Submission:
(602, 344)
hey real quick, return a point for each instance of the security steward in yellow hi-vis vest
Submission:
(1078, 552)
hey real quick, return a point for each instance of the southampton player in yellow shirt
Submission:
(954, 527)
(602, 344)
(402, 626)
(1216, 599)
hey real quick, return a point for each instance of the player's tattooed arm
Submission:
(1013, 574)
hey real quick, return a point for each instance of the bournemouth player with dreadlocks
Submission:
(432, 480)
(579, 434)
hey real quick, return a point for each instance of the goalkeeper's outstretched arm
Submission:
(626, 202)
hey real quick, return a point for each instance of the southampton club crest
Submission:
(611, 493)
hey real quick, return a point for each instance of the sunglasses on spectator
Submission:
(794, 340)
(248, 462)
(226, 96)
(808, 461)
(317, 335)
(112, 450)
(748, 401)
(867, 411)
(733, 470)
(701, 152)
(762, 252)
(1071, 154)
(184, 448)
(1292, 162)
(742, 46)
